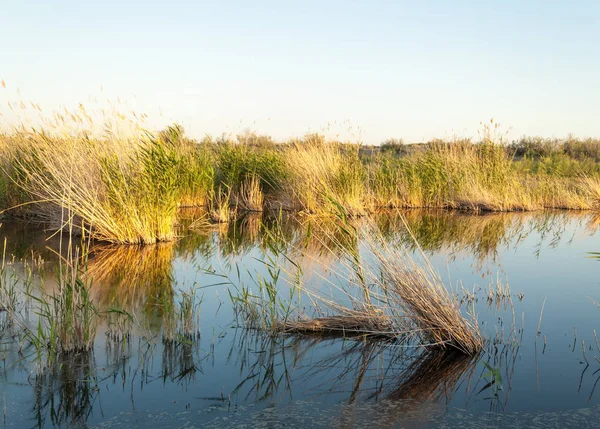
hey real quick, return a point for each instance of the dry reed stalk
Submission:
(104, 184)
(390, 294)
(591, 186)
(219, 208)
(250, 196)
(378, 325)
(323, 176)
(421, 295)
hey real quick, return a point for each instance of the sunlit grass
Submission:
(128, 188)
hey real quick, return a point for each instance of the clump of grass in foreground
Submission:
(387, 294)
(419, 293)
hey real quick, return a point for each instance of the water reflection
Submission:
(226, 368)
(131, 277)
(349, 371)
(65, 393)
(128, 273)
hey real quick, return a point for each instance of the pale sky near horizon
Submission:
(370, 69)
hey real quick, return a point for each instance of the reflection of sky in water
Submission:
(237, 376)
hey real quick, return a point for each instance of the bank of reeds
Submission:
(124, 193)
(128, 190)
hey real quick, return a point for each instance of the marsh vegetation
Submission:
(129, 189)
(310, 253)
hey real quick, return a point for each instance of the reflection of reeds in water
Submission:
(321, 240)
(353, 370)
(66, 391)
(388, 289)
(428, 382)
(179, 362)
(240, 236)
(327, 239)
(266, 362)
(479, 235)
(433, 376)
(133, 277)
(593, 223)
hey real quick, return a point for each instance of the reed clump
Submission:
(250, 196)
(324, 175)
(421, 295)
(386, 293)
(67, 317)
(181, 319)
(359, 324)
(122, 193)
(220, 209)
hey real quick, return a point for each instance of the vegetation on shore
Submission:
(128, 190)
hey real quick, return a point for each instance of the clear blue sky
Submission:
(380, 69)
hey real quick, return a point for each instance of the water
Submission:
(236, 377)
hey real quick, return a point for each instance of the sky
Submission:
(357, 70)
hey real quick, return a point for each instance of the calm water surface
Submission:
(232, 377)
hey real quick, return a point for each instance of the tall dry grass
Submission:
(470, 176)
(324, 175)
(127, 189)
(121, 191)
(377, 290)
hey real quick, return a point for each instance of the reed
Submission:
(391, 282)
(324, 175)
(181, 319)
(384, 294)
(250, 196)
(244, 160)
(220, 209)
(420, 294)
(122, 192)
(8, 294)
(67, 317)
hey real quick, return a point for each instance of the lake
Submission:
(531, 279)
